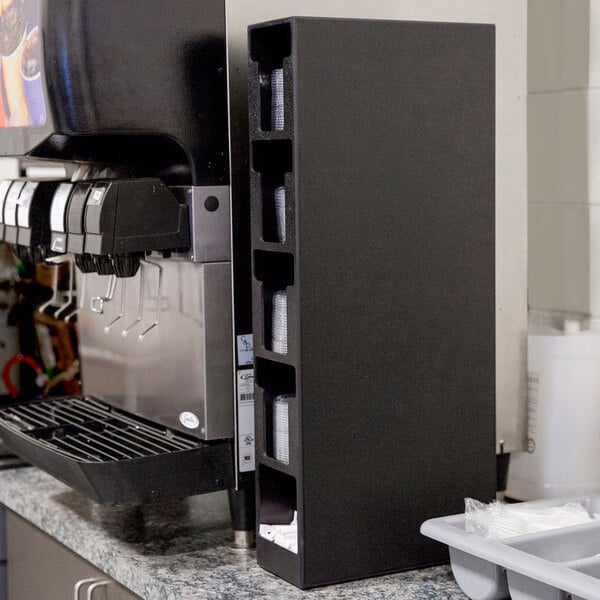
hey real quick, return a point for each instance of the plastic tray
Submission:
(113, 456)
(561, 564)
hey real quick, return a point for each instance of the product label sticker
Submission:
(189, 420)
(245, 349)
(95, 198)
(245, 417)
(58, 243)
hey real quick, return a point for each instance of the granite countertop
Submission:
(181, 550)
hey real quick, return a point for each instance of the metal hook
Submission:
(121, 314)
(140, 304)
(97, 304)
(69, 300)
(80, 305)
(158, 301)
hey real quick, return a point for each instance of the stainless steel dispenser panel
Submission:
(209, 220)
(180, 372)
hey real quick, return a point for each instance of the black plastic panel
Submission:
(128, 83)
(108, 454)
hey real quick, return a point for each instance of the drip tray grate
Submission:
(87, 429)
(112, 455)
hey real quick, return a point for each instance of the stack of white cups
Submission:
(280, 212)
(277, 100)
(279, 335)
(281, 432)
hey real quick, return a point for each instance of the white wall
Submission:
(564, 155)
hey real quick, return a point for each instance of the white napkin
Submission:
(285, 536)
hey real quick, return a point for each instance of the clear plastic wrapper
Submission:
(498, 521)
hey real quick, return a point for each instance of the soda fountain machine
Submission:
(135, 103)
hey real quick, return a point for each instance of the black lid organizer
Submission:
(110, 455)
(372, 194)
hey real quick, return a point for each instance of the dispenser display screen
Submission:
(22, 93)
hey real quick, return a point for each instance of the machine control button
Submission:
(97, 196)
(211, 203)
(58, 242)
(59, 208)
(93, 208)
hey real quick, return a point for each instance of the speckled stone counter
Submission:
(181, 550)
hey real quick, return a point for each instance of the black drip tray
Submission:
(113, 456)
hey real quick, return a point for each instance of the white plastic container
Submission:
(563, 418)
(559, 564)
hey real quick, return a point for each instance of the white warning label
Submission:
(245, 349)
(245, 416)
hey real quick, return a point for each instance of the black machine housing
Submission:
(135, 94)
(144, 89)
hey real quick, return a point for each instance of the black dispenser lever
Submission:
(27, 219)
(110, 225)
